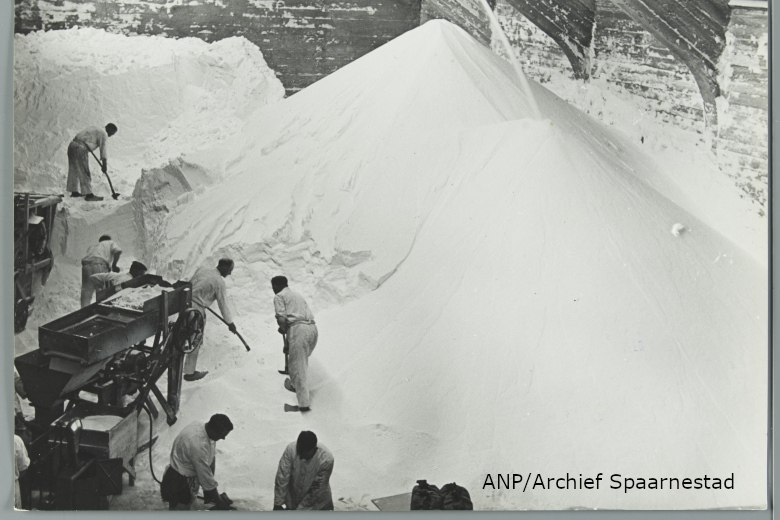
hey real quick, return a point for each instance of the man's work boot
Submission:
(92, 197)
(75, 194)
(304, 409)
(195, 375)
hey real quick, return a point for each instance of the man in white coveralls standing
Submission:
(296, 320)
(79, 178)
(208, 284)
(303, 477)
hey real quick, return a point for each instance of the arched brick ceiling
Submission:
(568, 22)
(693, 30)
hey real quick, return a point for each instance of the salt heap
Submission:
(493, 293)
(167, 97)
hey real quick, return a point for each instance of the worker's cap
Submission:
(306, 442)
(137, 266)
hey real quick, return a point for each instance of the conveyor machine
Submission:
(94, 367)
(33, 222)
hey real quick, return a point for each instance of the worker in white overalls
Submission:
(208, 284)
(303, 476)
(297, 321)
(79, 178)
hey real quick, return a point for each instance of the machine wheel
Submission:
(188, 331)
(21, 313)
(39, 238)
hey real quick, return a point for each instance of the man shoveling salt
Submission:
(208, 285)
(79, 177)
(296, 321)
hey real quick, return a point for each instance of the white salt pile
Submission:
(522, 305)
(685, 157)
(167, 97)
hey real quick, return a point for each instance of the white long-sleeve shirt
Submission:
(93, 137)
(291, 306)
(208, 285)
(193, 454)
(304, 484)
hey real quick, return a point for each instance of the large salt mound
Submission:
(167, 96)
(525, 304)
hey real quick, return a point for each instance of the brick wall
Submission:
(302, 40)
(467, 14)
(743, 116)
(305, 40)
(627, 56)
(622, 53)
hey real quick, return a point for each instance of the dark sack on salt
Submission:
(455, 497)
(425, 497)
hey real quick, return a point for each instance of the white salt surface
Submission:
(493, 294)
(685, 158)
(135, 297)
(101, 423)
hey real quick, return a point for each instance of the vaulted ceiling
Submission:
(693, 30)
(568, 22)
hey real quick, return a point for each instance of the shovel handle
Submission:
(223, 321)
(286, 353)
(110, 184)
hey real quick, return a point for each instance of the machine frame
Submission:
(101, 350)
(33, 222)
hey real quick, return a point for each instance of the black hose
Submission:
(151, 426)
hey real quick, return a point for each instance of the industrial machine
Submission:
(33, 222)
(89, 379)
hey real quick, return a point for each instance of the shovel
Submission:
(286, 349)
(113, 193)
(223, 321)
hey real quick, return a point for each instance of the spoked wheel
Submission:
(21, 313)
(188, 331)
(39, 237)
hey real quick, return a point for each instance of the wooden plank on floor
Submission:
(400, 502)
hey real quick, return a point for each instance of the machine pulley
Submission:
(188, 331)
